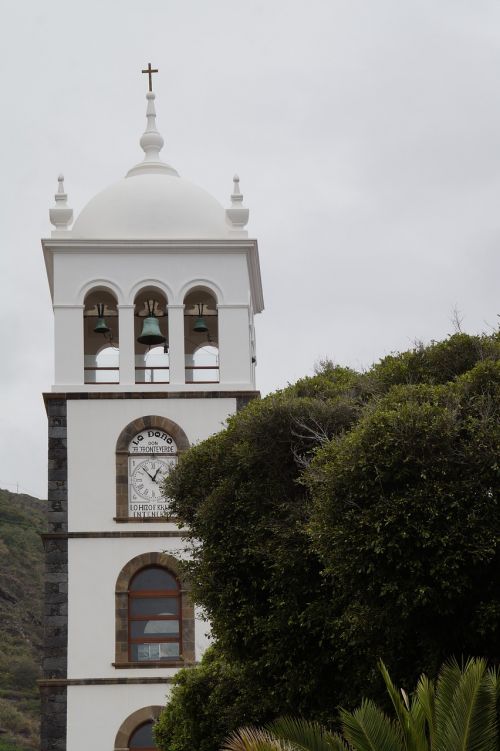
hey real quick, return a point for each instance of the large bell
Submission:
(101, 326)
(200, 325)
(151, 333)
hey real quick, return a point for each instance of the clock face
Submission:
(147, 477)
(152, 454)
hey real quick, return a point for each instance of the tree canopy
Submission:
(348, 518)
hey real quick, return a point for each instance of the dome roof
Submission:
(156, 204)
(152, 201)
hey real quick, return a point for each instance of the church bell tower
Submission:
(154, 290)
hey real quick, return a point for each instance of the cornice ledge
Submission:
(95, 245)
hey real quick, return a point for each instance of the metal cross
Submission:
(149, 70)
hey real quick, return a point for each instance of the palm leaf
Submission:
(471, 721)
(369, 729)
(410, 717)
(446, 684)
(425, 698)
(254, 739)
(306, 735)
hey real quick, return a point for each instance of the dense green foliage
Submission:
(207, 701)
(347, 518)
(406, 519)
(457, 711)
(22, 518)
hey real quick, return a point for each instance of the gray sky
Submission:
(366, 134)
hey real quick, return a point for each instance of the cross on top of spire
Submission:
(149, 70)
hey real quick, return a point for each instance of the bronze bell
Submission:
(101, 326)
(200, 325)
(151, 333)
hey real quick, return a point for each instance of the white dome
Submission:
(152, 205)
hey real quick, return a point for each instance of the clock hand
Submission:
(150, 476)
(154, 478)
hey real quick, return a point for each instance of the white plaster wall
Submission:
(225, 273)
(176, 271)
(95, 713)
(93, 568)
(93, 429)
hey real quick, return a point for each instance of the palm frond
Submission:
(254, 739)
(306, 735)
(425, 699)
(471, 721)
(446, 684)
(369, 729)
(410, 718)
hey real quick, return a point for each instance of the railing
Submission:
(152, 368)
(103, 368)
(151, 375)
(203, 367)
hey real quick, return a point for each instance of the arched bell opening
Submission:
(151, 337)
(100, 338)
(201, 337)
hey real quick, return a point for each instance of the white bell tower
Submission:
(154, 290)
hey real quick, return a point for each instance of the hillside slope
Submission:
(22, 518)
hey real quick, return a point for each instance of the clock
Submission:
(152, 454)
(147, 476)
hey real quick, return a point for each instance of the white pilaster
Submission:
(68, 349)
(176, 343)
(234, 344)
(126, 343)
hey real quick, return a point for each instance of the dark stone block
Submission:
(56, 431)
(56, 557)
(59, 494)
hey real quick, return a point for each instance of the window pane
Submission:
(152, 628)
(154, 606)
(145, 652)
(142, 737)
(153, 578)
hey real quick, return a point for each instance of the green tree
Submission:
(310, 568)
(406, 519)
(458, 712)
(206, 701)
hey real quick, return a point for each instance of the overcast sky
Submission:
(366, 134)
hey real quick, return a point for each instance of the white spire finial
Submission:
(152, 140)
(237, 214)
(151, 143)
(60, 214)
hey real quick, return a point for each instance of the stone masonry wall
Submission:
(52, 686)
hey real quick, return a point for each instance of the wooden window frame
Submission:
(133, 723)
(141, 748)
(143, 594)
(186, 613)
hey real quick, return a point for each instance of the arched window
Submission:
(151, 345)
(201, 337)
(142, 738)
(154, 615)
(154, 612)
(136, 732)
(100, 334)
